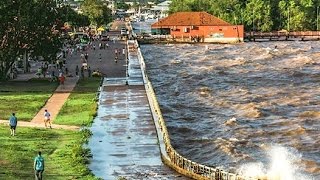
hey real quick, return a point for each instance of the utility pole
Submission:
(252, 19)
(289, 17)
(317, 18)
(241, 16)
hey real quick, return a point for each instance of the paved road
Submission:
(101, 59)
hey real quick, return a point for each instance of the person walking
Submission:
(123, 51)
(86, 56)
(13, 121)
(77, 70)
(38, 166)
(82, 72)
(47, 119)
(62, 79)
(89, 71)
(100, 59)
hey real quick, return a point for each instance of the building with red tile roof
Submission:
(199, 27)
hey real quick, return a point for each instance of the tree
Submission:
(97, 12)
(106, 16)
(122, 5)
(294, 15)
(67, 14)
(179, 5)
(27, 26)
(257, 15)
(46, 30)
(200, 5)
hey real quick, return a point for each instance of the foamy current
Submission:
(251, 108)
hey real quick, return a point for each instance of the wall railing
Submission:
(168, 154)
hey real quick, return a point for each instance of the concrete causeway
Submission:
(124, 141)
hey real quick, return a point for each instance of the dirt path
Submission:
(53, 105)
(56, 101)
(40, 125)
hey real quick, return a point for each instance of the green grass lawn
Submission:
(80, 108)
(62, 150)
(24, 98)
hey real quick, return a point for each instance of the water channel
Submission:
(251, 107)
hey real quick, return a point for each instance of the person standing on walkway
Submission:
(62, 79)
(77, 70)
(89, 71)
(116, 51)
(86, 56)
(124, 52)
(38, 166)
(47, 119)
(82, 72)
(13, 121)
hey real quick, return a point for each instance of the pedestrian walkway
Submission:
(40, 125)
(124, 141)
(54, 105)
(56, 101)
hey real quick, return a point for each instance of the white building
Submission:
(161, 9)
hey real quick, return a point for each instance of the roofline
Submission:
(192, 25)
(227, 23)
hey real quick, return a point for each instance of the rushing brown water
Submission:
(253, 107)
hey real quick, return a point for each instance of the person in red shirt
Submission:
(62, 79)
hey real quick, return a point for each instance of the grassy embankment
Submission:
(24, 98)
(63, 151)
(80, 106)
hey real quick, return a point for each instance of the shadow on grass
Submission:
(33, 85)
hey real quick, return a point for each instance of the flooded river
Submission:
(252, 108)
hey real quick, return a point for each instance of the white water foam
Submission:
(284, 165)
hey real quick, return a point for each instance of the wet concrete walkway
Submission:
(124, 141)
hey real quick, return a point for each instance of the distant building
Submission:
(161, 9)
(198, 27)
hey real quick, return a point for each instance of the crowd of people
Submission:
(58, 71)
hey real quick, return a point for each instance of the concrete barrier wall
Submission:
(169, 155)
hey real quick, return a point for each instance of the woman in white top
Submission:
(47, 118)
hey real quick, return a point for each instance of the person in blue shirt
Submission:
(13, 123)
(38, 166)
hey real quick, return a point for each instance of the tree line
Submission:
(35, 26)
(259, 15)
